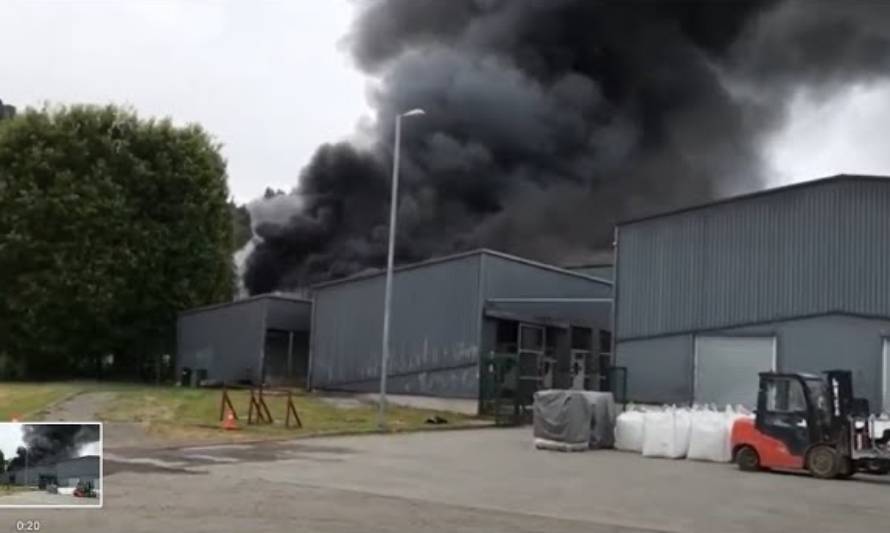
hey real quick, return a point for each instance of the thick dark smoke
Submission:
(547, 121)
(48, 443)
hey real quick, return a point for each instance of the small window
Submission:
(785, 396)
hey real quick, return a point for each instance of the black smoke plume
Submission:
(49, 443)
(547, 121)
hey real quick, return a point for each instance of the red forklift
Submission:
(811, 423)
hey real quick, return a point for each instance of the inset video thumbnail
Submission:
(50, 464)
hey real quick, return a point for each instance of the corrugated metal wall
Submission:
(225, 340)
(658, 370)
(590, 314)
(435, 331)
(436, 321)
(797, 252)
(829, 342)
(228, 340)
(661, 369)
(507, 278)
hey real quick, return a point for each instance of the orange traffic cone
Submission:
(230, 422)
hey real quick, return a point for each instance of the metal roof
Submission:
(461, 255)
(757, 194)
(249, 299)
(588, 265)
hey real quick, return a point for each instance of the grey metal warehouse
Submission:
(262, 339)
(795, 279)
(64, 473)
(448, 313)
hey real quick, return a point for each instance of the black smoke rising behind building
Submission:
(46, 443)
(548, 120)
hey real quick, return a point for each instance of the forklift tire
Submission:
(748, 459)
(824, 462)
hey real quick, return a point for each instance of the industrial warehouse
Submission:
(793, 279)
(63, 473)
(450, 314)
(789, 279)
(260, 339)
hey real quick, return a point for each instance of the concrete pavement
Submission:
(472, 480)
(41, 497)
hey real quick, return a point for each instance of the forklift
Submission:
(811, 423)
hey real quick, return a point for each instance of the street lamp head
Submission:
(415, 111)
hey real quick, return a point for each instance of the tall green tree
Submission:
(109, 225)
(241, 232)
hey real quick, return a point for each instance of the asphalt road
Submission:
(472, 480)
(41, 497)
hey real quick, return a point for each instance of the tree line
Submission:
(110, 224)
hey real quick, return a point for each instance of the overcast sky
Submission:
(269, 81)
(266, 78)
(10, 439)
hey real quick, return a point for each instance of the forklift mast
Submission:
(839, 385)
(839, 391)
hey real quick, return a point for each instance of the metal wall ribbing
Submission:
(435, 321)
(800, 251)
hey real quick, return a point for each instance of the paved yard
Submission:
(40, 497)
(472, 480)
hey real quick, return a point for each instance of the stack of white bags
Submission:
(701, 433)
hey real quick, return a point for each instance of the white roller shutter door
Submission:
(727, 368)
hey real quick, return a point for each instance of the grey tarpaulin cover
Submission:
(575, 416)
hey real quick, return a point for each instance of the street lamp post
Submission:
(387, 299)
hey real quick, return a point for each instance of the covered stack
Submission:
(573, 420)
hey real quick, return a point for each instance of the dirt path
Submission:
(82, 407)
(86, 406)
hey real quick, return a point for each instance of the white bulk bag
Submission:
(682, 431)
(666, 433)
(629, 431)
(709, 438)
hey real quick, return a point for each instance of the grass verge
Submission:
(24, 400)
(184, 414)
(8, 490)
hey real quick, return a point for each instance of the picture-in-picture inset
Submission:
(50, 464)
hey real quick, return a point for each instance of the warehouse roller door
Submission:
(727, 368)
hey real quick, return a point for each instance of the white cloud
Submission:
(266, 78)
(91, 448)
(843, 134)
(10, 438)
